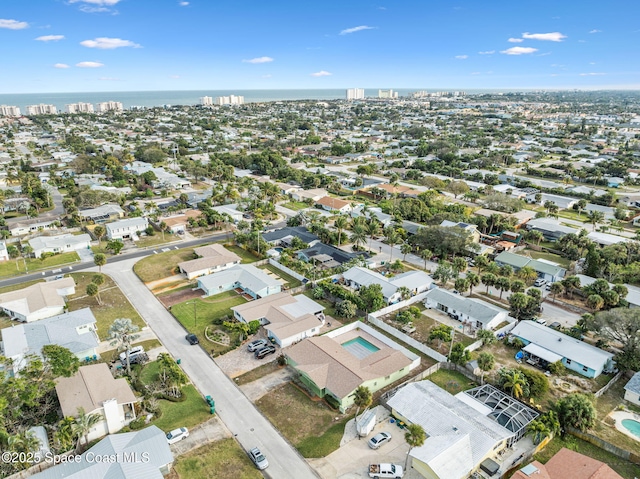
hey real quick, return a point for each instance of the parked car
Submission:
(539, 282)
(379, 439)
(378, 471)
(555, 325)
(133, 352)
(192, 339)
(177, 435)
(258, 458)
(257, 344)
(261, 353)
(541, 321)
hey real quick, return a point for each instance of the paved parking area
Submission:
(239, 361)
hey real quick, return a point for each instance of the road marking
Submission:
(155, 252)
(166, 249)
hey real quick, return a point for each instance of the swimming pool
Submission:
(632, 426)
(360, 347)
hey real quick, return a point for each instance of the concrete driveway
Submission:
(235, 410)
(212, 430)
(240, 360)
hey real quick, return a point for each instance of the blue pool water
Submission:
(278, 249)
(632, 426)
(360, 347)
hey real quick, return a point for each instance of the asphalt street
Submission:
(240, 416)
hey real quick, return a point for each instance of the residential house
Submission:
(211, 259)
(287, 319)
(337, 205)
(128, 228)
(562, 202)
(102, 214)
(328, 256)
(75, 331)
(38, 301)
(463, 431)
(231, 210)
(546, 270)
(312, 195)
(94, 389)
(415, 281)
(334, 365)
(550, 228)
(469, 228)
(475, 312)
(164, 179)
(178, 224)
(246, 279)
(33, 225)
(148, 450)
(284, 236)
(4, 254)
(544, 346)
(567, 464)
(287, 189)
(59, 244)
(632, 389)
(606, 239)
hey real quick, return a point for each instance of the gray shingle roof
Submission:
(474, 308)
(634, 384)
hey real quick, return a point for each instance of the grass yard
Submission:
(161, 265)
(217, 460)
(114, 303)
(329, 309)
(291, 282)
(257, 373)
(626, 469)
(207, 311)
(309, 425)
(564, 262)
(295, 205)
(247, 256)
(14, 267)
(5, 322)
(604, 405)
(155, 240)
(451, 381)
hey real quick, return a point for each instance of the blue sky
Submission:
(130, 45)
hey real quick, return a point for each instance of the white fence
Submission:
(399, 305)
(505, 329)
(407, 339)
(289, 271)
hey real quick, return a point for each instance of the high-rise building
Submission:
(109, 106)
(355, 93)
(206, 101)
(6, 110)
(229, 100)
(79, 108)
(387, 94)
(42, 109)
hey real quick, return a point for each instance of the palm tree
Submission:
(392, 239)
(595, 217)
(486, 362)
(527, 274)
(372, 229)
(358, 235)
(426, 255)
(415, 437)
(538, 430)
(405, 292)
(362, 398)
(121, 334)
(503, 284)
(405, 249)
(481, 262)
(474, 280)
(83, 425)
(340, 224)
(515, 383)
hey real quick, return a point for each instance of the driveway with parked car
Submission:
(239, 361)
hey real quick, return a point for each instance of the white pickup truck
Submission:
(378, 471)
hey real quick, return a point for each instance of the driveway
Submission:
(212, 430)
(235, 410)
(240, 360)
(258, 388)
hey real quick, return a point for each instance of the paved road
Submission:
(247, 424)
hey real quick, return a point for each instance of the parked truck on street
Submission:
(379, 471)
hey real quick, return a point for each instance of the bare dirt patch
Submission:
(179, 297)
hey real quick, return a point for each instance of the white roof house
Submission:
(551, 346)
(4, 255)
(606, 239)
(102, 214)
(416, 281)
(459, 436)
(59, 244)
(251, 280)
(74, 331)
(482, 315)
(38, 301)
(127, 228)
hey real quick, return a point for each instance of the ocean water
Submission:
(191, 97)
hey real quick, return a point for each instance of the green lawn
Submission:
(564, 262)
(14, 267)
(155, 240)
(217, 460)
(451, 381)
(291, 282)
(295, 205)
(247, 256)
(207, 311)
(114, 303)
(626, 469)
(15, 287)
(161, 265)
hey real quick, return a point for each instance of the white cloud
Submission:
(321, 73)
(488, 52)
(50, 38)
(595, 31)
(356, 29)
(104, 43)
(183, 4)
(515, 40)
(60, 65)
(462, 57)
(519, 50)
(549, 37)
(89, 65)
(13, 24)
(259, 60)
(109, 3)
(592, 74)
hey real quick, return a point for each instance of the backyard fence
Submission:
(283, 268)
(607, 446)
(606, 387)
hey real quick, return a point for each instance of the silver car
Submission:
(256, 345)
(379, 439)
(258, 458)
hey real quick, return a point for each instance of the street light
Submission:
(195, 312)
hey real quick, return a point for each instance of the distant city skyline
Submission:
(140, 45)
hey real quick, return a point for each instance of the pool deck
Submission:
(619, 416)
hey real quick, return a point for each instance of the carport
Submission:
(539, 356)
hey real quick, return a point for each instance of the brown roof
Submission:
(330, 366)
(257, 309)
(335, 203)
(37, 296)
(567, 464)
(400, 189)
(211, 256)
(89, 388)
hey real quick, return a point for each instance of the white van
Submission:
(133, 352)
